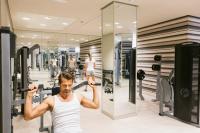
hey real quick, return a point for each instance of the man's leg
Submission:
(93, 77)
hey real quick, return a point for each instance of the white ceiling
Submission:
(84, 16)
(50, 40)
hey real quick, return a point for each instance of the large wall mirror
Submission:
(118, 44)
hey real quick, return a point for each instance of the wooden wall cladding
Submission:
(93, 47)
(160, 39)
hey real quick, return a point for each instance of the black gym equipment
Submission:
(157, 58)
(140, 77)
(140, 74)
(166, 106)
(31, 50)
(157, 67)
(132, 79)
(7, 41)
(56, 90)
(108, 81)
(180, 92)
(187, 83)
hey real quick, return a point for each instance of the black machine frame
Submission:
(5, 87)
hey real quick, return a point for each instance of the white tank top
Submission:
(90, 64)
(66, 115)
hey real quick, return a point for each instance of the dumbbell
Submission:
(140, 74)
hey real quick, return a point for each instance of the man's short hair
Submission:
(65, 75)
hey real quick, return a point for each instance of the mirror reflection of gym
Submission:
(118, 46)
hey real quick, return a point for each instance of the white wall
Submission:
(108, 51)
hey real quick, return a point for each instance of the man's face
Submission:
(66, 87)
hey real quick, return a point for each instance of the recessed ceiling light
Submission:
(119, 27)
(43, 25)
(47, 18)
(65, 23)
(72, 39)
(134, 22)
(60, 1)
(35, 35)
(107, 25)
(26, 18)
(77, 40)
(86, 40)
(22, 36)
(116, 23)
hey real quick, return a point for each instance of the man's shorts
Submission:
(90, 73)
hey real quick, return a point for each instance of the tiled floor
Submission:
(147, 119)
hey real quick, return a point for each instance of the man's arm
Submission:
(94, 104)
(30, 112)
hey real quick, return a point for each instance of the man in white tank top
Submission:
(65, 106)
(89, 68)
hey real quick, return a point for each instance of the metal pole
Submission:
(158, 83)
(161, 99)
(140, 90)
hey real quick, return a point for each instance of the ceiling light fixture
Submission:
(72, 39)
(116, 23)
(134, 22)
(35, 35)
(60, 1)
(26, 18)
(43, 25)
(22, 36)
(47, 18)
(65, 23)
(119, 27)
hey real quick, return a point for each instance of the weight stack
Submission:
(187, 83)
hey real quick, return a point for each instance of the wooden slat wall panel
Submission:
(160, 39)
(93, 47)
